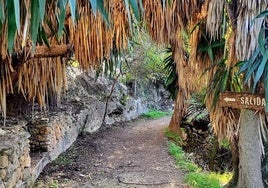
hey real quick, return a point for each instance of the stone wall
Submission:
(15, 161)
(53, 136)
(26, 148)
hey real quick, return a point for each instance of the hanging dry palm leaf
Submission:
(215, 19)
(39, 76)
(249, 28)
(5, 84)
(155, 17)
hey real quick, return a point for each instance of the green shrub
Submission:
(225, 144)
(195, 177)
(202, 180)
(155, 114)
(62, 160)
(173, 137)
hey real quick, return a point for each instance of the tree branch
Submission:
(42, 52)
(52, 51)
(108, 98)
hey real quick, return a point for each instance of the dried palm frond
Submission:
(92, 37)
(224, 120)
(5, 84)
(39, 78)
(249, 28)
(120, 23)
(154, 15)
(231, 48)
(173, 23)
(215, 18)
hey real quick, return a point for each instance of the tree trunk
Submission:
(179, 111)
(265, 164)
(235, 163)
(174, 125)
(250, 175)
(213, 153)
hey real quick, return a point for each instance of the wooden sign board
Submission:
(242, 100)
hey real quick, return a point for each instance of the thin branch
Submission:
(108, 98)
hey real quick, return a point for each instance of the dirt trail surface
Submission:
(133, 154)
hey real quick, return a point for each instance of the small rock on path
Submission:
(132, 155)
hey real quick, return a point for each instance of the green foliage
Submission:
(173, 137)
(196, 110)
(210, 48)
(195, 177)
(145, 60)
(72, 4)
(98, 5)
(113, 65)
(225, 144)
(256, 67)
(53, 184)
(50, 183)
(220, 79)
(13, 22)
(155, 114)
(224, 78)
(171, 81)
(124, 100)
(37, 7)
(154, 64)
(62, 160)
(135, 7)
(61, 16)
(201, 180)
(181, 159)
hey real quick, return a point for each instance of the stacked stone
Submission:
(44, 135)
(15, 161)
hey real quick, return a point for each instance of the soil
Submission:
(133, 154)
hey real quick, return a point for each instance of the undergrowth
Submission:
(195, 176)
(62, 160)
(173, 137)
(155, 114)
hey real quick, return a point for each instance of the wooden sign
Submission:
(242, 100)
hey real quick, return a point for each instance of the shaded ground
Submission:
(133, 154)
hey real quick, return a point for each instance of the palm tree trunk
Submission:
(174, 125)
(250, 174)
(235, 163)
(265, 164)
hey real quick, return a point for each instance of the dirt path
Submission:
(130, 155)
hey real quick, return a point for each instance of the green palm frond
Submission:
(210, 48)
(255, 69)
(171, 82)
(224, 79)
